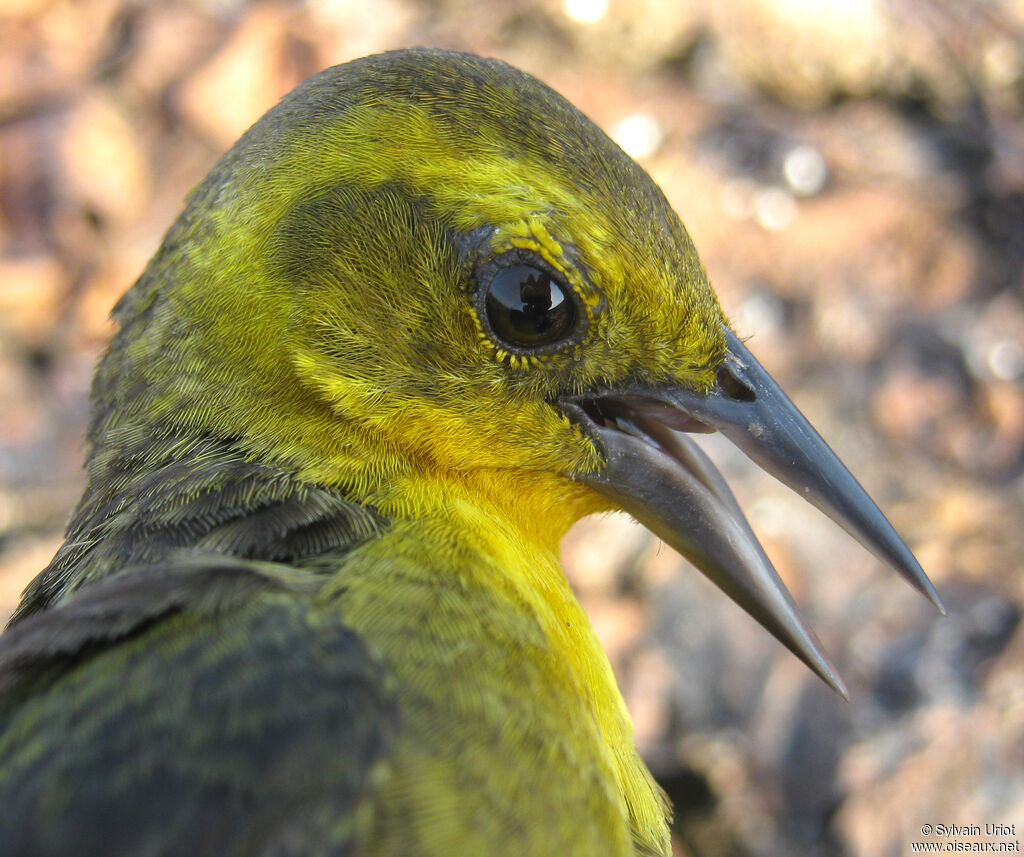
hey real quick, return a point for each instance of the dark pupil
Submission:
(527, 307)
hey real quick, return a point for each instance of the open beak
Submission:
(661, 477)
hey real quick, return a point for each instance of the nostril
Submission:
(733, 387)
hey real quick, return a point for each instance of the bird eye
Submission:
(528, 308)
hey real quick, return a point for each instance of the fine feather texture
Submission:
(311, 602)
(203, 495)
(193, 708)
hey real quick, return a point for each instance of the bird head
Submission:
(426, 268)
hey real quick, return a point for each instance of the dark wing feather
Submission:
(232, 717)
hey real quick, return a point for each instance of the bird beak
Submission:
(660, 476)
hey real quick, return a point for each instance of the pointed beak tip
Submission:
(916, 577)
(929, 592)
(810, 650)
(820, 665)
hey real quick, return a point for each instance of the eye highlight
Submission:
(529, 309)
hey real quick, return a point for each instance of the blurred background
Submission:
(853, 174)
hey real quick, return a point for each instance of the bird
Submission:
(421, 318)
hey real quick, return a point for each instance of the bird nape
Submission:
(421, 318)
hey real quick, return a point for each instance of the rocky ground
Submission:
(853, 174)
